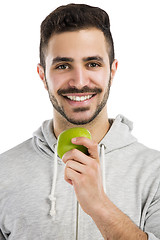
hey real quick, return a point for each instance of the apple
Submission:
(64, 140)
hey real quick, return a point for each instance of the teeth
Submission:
(79, 98)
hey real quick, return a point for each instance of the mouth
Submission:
(79, 98)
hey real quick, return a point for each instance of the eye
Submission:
(62, 67)
(93, 65)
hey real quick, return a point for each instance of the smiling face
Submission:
(78, 75)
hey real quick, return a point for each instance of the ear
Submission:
(40, 71)
(114, 69)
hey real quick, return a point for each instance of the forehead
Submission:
(76, 44)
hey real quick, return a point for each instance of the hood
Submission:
(45, 139)
(118, 136)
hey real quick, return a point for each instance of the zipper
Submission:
(77, 216)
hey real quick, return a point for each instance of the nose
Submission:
(79, 78)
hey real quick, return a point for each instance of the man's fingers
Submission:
(70, 175)
(74, 155)
(76, 166)
(88, 143)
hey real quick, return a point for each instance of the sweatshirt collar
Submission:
(118, 136)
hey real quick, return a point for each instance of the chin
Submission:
(80, 121)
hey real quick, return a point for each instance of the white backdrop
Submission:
(24, 103)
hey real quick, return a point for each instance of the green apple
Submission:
(64, 140)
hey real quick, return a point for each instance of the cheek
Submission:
(101, 78)
(53, 81)
(51, 78)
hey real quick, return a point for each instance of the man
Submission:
(112, 193)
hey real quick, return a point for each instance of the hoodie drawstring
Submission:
(102, 148)
(52, 197)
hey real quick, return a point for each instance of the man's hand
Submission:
(84, 173)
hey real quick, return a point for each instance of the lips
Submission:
(79, 98)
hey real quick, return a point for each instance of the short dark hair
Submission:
(74, 17)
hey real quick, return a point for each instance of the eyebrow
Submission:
(97, 58)
(61, 59)
(67, 59)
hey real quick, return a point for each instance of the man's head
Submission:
(74, 17)
(77, 62)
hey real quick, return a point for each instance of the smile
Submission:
(79, 98)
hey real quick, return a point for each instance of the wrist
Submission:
(103, 210)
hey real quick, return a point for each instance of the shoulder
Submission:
(145, 152)
(18, 150)
(147, 162)
(17, 157)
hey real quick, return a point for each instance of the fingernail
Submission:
(74, 140)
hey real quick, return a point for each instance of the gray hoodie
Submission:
(36, 203)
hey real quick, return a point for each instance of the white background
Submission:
(24, 103)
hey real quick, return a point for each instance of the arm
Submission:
(84, 173)
(114, 224)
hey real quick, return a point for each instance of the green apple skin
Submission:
(64, 140)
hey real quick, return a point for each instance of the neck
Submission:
(98, 127)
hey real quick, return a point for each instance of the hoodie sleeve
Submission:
(152, 237)
(152, 224)
(1, 236)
